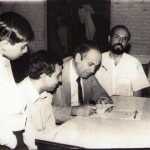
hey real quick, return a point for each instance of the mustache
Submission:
(117, 44)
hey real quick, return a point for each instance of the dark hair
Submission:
(120, 27)
(85, 47)
(12, 24)
(39, 64)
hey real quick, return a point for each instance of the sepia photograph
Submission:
(74, 74)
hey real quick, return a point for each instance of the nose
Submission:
(120, 40)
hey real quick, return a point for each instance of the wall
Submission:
(135, 14)
(68, 9)
(35, 12)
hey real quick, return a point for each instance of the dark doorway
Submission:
(65, 13)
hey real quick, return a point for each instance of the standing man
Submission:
(79, 87)
(121, 73)
(15, 33)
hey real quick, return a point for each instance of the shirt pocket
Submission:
(124, 86)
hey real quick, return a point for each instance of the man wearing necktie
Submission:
(74, 98)
(80, 93)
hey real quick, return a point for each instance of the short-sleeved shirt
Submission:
(40, 119)
(124, 78)
(39, 113)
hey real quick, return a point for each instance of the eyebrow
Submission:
(120, 36)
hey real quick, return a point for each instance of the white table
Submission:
(97, 132)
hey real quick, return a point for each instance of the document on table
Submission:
(127, 108)
(119, 114)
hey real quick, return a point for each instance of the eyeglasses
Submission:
(122, 39)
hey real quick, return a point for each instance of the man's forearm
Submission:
(62, 114)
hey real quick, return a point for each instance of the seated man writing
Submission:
(79, 87)
(42, 77)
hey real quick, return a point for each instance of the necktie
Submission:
(80, 95)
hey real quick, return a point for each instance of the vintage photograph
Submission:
(74, 74)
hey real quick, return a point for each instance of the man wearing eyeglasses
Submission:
(121, 73)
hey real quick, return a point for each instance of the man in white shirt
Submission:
(121, 73)
(37, 101)
(15, 33)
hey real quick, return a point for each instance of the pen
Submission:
(135, 114)
(105, 68)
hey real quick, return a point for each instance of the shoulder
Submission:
(131, 58)
(134, 64)
(44, 97)
(44, 101)
(26, 79)
(105, 54)
(23, 84)
(105, 58)
(67, 60)
(91, 81)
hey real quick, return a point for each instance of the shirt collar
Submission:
(74, 71)
(32, 92)
(110, 54)
(4, 60)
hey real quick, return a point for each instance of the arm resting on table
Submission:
(62, 114)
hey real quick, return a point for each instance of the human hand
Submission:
(103, 107)
(105, 100)
(83, 110)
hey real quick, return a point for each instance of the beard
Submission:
(117, 49)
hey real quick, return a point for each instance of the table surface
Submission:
(108, 131)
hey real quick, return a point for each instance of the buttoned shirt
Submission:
(124, 78)
(74, 86)
(40, 119)
(35, 101)
(39, 114)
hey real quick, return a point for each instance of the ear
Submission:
(42, 75)
(58, 67)
(78, 57)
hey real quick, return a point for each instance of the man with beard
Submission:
(121, 73)
(79, 87)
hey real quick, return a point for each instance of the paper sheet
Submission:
(127, 108)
